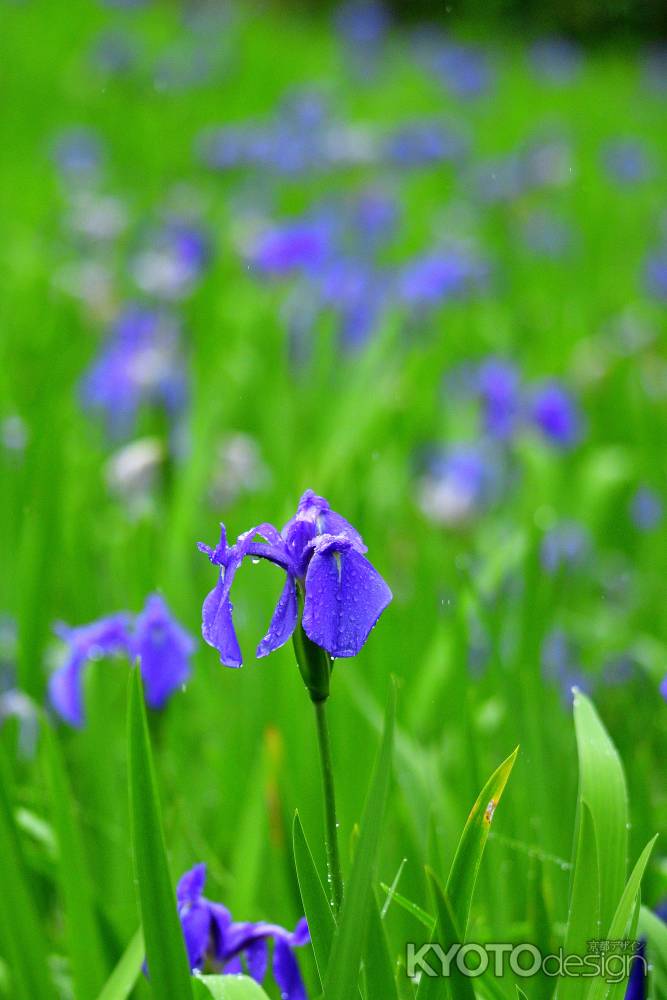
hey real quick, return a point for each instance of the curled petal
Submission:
(196, 927)
(191, 884)
(345, 596)
(218, 627)
(66, 691)
(284, 620)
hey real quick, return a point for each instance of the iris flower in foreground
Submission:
(329, 581)
(162, 646)
(211, 936)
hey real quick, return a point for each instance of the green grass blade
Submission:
(602, 787)
(342, 976)
(84, 943)
(380, 977)
(121, 982)
(321, 921)
(468, 857)
(584, 909)
(459, 986)
(227, 988)
(21, 939)
(165, 947)
(413, 909)
(620, 923)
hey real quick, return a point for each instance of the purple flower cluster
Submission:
(212, 938)
(162, 647)
(330, 586)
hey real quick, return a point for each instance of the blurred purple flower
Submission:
(458, 484)
(211, 936)
(162, 646)
(422, 143)
(498, 384)
(362, 24)
(342, 594)
(565, 546)
(463, 69)
(430, 280)
(646, 509)
(637, 986)
(555, 60)
(171, 261)
(555, 413)
(78, 152)
(560, 664)
(627, 161)
(140, 362)
(301, 245)
(656, 274)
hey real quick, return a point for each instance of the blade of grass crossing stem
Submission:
(468, 857)
(121, 982)
(602, 787)
(321, 922)
(584, 910)
(165, 947)
(84, 943)
(599, 989)
(21, 940)
(227, 988)
(380, 977)
(342, 978)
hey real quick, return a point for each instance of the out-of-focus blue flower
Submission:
(422, 143)
(140, 362)
(655, 69)
(499, 178)
(78, 152)
(362, 24)
(555, 60)
(498, 384)
(663, 692)
(463, 69)
(555, 413)
(374, 216)
(212, 937)
(430, 280)
(646, 509)
(565, 546)
(458, 484)
(560, 664)
(358, 295)
(106, 637)
(171, 261)
(302, 245)
(342, 594)
(114, 54)
(627, 161)
(656, 274)
(546, 235)
(162, 646)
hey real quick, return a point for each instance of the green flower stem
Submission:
(335, 875)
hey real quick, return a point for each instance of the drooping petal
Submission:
(66, 691)
(284, 619)
(345, 596)
(218, 628)
(257, 958)
(164, 650)
(195, 922)
(301, 934)
(286, 972)
(191, 884)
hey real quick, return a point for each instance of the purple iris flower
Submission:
(301, 245)
(555, 60)
(162, 646)
(172, 260)
(342, 594)
(459, 483)
(498, 384)
(422, 143)
(566, 545)
(646, 509)
(432, 279)
(663, 692)
(140, 362)
(555, 413)
(627, 161)
(78, 152)
(638, 979)
(211, 936)
(464, 70)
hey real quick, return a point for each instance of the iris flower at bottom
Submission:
(212, 937)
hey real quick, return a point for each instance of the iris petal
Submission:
(284, 619)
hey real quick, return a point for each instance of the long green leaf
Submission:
(468, 857)
(342, 978)
(584, 909)
(228, 988)
(21, 939)
(380, 976)
(460, 986)
(602, 787)
(84, 943)
(321, 921)
(165, 947)
(121, 982)
(620, 924)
